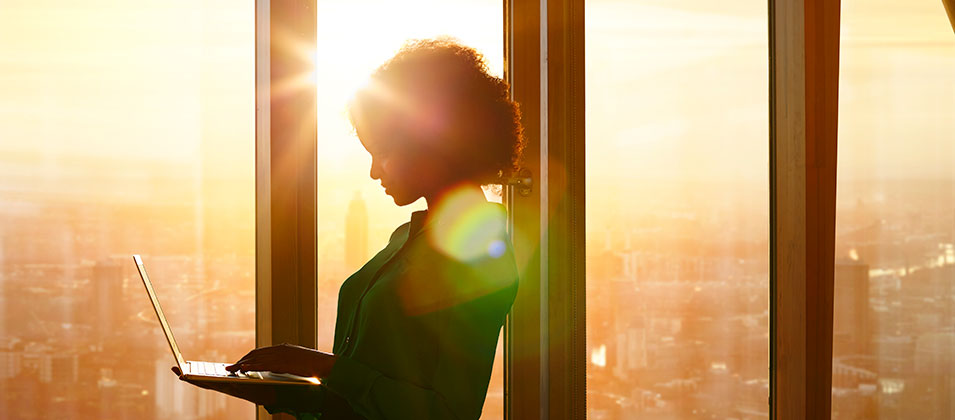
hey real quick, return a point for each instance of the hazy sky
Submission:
(98, 78)
(78, 76)
(675, 89)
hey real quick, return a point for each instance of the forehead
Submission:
(382, 125)
(389, 130)
(372, 137)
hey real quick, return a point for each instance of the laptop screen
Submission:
(162, 318)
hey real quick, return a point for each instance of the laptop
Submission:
(212, 371)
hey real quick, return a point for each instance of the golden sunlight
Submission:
(354, 38)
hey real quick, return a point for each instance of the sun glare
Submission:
(467, 232)
(355, 37)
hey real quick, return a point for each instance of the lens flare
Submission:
(468, 228)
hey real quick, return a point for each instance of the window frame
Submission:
(804, 87)
(286, 162)
(545, 365)
(545, 356)
(545, 64)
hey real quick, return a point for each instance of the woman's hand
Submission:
(286, 358)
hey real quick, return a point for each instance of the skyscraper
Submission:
(850, 316)
(107, 283)
(356, 233)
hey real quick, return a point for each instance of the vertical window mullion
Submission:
(564, 210)
(523, 365)
(263, 185)
(804, 67)
(286, 175)
(546, 339)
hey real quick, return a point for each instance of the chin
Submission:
(402, 200)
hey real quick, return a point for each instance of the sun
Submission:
(355, 37)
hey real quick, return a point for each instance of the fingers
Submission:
(270, 356)
(257, 364)
(262, 363)
(260, 367)
(250, 356)
(273, 358)
(249, 364)
(259, 353)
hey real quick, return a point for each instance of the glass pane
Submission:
(893, 325)
(677, 209)
(125, 127)
(355, 217)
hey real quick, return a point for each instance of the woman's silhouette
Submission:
(418, 324)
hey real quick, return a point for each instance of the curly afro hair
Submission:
(442, 96)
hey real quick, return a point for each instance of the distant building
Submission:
(10, 364)
(59, 368)
(356, 233)
(850, 326)
(631, 351)
(107, 284)
(47, 365)
(934, 362)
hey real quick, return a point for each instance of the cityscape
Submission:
(678, 305)
(154, 154)
(683, 332)
(78, 337)
(677, 327)
(893, 329)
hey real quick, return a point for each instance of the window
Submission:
(130, 128)
(893, 335)
(355, 217)
(677, 210)
(126, 128)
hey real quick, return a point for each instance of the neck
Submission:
(466, 192)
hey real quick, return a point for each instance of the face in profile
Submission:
(432, 119)
(406, 169)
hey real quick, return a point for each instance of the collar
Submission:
(418, 219)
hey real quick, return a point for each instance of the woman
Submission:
(418, 324)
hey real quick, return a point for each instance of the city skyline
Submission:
(144, 143)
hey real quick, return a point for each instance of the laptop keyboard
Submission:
(218, 369)
(210, 369)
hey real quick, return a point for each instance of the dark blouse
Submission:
(418, 324)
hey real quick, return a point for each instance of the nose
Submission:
(375, 172)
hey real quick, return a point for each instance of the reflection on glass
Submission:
(893, 325)
(124, 128)
(355, 217)
(677, 209)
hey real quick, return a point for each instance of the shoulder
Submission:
(450, 265)
(400, 232)
(473, 235)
